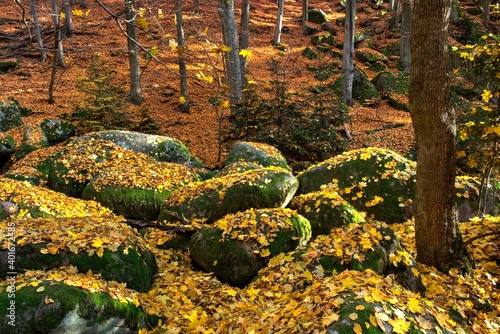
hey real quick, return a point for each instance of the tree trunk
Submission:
(486, 10)
(244, 37)
(180, 51)
(58, 51)
(305, 13)
(133, 54)
(68, 21)
(233, 69)
(83, 3)
(38, 33)
(348, 52)
(406, 14)
(438, 239)
(279, 22)
(196, 6)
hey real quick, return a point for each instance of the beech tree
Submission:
(244, 36)
(233, 69)
(406, 16)
(279, 22)
(38, 33)
(68, 20)
(184, 99)
(348, 52)
(133, 53)
(438, 239)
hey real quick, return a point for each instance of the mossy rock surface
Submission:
(27, 138)
(394, 86)
(138, 190)
(257, 153)
(10, 116)
(212, 199)
(103, 245)
(377, 181)
(362, 89)
(57, 130)
(160, 148)
(55, 307)
(325, 210)
(80, 161)
(237, 167)
(7, 145)
(239, 245)
(38, 202)
(468, 198)
(316, 15)
(370, 56)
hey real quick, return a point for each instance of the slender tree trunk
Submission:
(180, 51)
(279, 22)
(305, 13)
(244, 37)
(348, 52)
(68, 21)
(486, 11)
(38, 33)
(58, 50)
(438, 239)
(133, 54)
(196, 6)
(83, 3)
(233, 69)
(404, 57)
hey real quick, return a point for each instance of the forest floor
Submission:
(96, 32)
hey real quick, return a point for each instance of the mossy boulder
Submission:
(309, 53)
(316, 15)
(469, 198)
(34, 167)
(77, 163)
(212, 199)
(257, 153)
(10, 116)
(325, 210)
(237, 246)
(104, 245)
(55, 307)
(160, 148)
(57, 130)
(34, 202)
(375, 180)
(237, 167)
(394, 86)
(27, 138)
(363, 90)
(7, 145)
(370, 56)
(138, 190)
(323, 39)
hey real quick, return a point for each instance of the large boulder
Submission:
(103, 245)
(394, 86)
(325, 210)
(160, 148)
(57, 130)
(29, 201)
(257, 153)
(10, 116)
(212, 199)
(138, 190)
(375, 180)
(55, 307)
(237, 246)
(27, 138)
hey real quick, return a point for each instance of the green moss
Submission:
(128, 202)
(136, 268)
(34, 315)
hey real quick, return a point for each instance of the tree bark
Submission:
(133, 54)
(38, 33)
(405, 49)
(348, 52)
(305, 13)
(68, 20)
(244, 37)
(58, 51)
(233, 69)
(279, 22)
(182, 61)
(438, 239)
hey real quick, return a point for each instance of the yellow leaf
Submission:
(160, 14)
(40, 289)
(353, 316)
(360, 308)
(34, 284)
(100, 252)
(265, 252)
(182, 99)
(52, 248)
(141, 22)
(245, 53)
(48, 300)
(400, 326)
(486, 95)
(77, 12)
(413, 305)
(357, 329)
(232, 292)
(224, 104)
(225, 48)
(87, 13)
(62, 16)
(97, 243)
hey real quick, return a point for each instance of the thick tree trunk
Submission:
(348, 52)
(279, 22)
(38, 33)
(438, 239)
(233, 69)
(405, 51)
(68, 20)
(182, 61)
(244, 37)
(133, 54)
